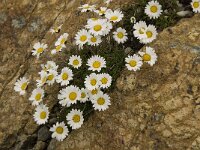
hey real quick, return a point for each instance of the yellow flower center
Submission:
(97, 27)
(196, 4)
(83, 95)
(146, 57)
(50, 77)
(96, 64)
(76, 62)
(93, 39)
(56, 29)
(113, 18)
(120, 35)
(44, 79)
(94, 19)
(141, 31)
(104, 80)
(38, 96)
(94, 92)
(40, 50)
(101, 101)
(58, 47)
(64, 76)
(149, 34)
(154, 9)
(63, 41)
(59, 130)
(93, 82)
(24, 86)
(132, 63)
(101, 12)
(83, 38)
(72, 96)
(43, 115)
(76, 118)
(86, 7)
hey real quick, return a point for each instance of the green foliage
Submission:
(167, 18)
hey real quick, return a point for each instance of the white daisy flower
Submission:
(149, 56)
(75, 118)
(120, 35)
(109, 27)
(50, 65)
(41, 114)
(65, 76)
(94, 40)
(82, 38)
(97, 27)
(37, 96)
(51, 77)
(105, 80)
(153, 9)
(87, 7)
(139, 29)
(84, 95)
(90, 20)
(151, 34)
(60, 131)
(114, 16)
(39, 48)
(101, 11)
(70, 95)
(21, 85)
(108, 1)
(96, 63)
(133, 62)
(101, 101)
(58, 49)
(196, 6)
(43, 78)
(94, 92)
(92, 81)
(75, 61)
(62, 39)
(56, 29)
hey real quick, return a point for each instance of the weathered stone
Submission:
(44, 134)
(40, 145)
(170, 88)
(25, 142)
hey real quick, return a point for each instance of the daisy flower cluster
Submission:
(145, 34)
(96, 82)
(96, 78)
(70, 94)
(101, 26)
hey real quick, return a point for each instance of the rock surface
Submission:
(154, 108)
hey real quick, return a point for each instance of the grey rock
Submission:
(128, 50)
(44, 134)
(40, 145)
(29, 143)
(34, 25)
(185, 13)
(19, 22)
(3, 17)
